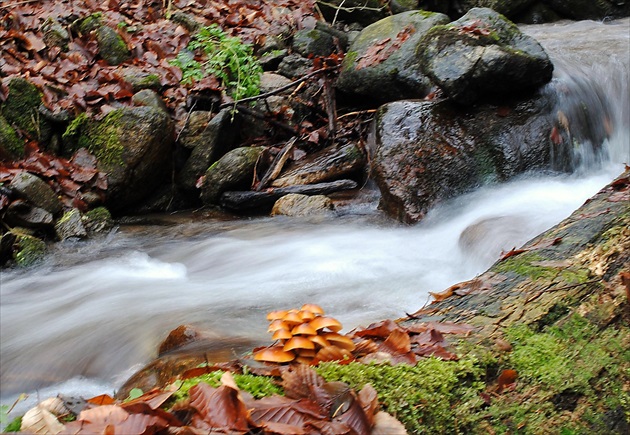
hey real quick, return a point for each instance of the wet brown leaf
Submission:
(218, 408)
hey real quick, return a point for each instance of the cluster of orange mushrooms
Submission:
(305, 336)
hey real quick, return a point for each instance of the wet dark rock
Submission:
(364, 12)
(589, 9)
(313, 43)
(209, 138)
(297, 205)
(295, 66)
(538, 13)
(399, 6)
(35, 190)
(233, 171)
(509, 8)
(394, 72)
(481, 56)
(263, 200)
(340, 37)
(133, 147)
(23, 214)
(70, 225)
(111, 47)
(425, 152)
(332, 163)
(271, 60)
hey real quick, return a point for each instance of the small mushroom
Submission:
(313, 308)
(339, 340)
(304, 329)
(306, 315)
(282, 334)
(274, 354)
(292, 318)
(275, 315)
(298, 342)
(278, 324)
(319, 341)
(326, 322)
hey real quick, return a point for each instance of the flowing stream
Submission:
(96, 310)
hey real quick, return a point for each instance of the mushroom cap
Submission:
(304, 329)
(306, 315)
(278, 314)
(322, 322)
(319, 341)
(292, 318)
(339, 340)
(282, 334)
(277, 324)
(298, 342)
(274, 354)
(313, 308)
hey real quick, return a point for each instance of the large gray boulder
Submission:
(36, 191)
(133, 147)
(381, 63)
(482, 56)
(426, 152)
(233, 171)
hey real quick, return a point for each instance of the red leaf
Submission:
(555, 136)
(506, 379)
(218, 408)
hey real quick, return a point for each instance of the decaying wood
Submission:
(247, 200)
(278, 163)
(589, 257)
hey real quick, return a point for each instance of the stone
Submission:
(111, 47)
(332, 163)
(483, 56)
(27, 249)
(55, 34)
(313, 43)
(133, 147)
(23, 214)
(97, 221)
(271, 81)
(140, 80)
(21, 110)
(208, 143)
(233, 171)
(297, 205)
(295, 66)
(70, 225)
(187, 21)
(11, 146)
(381, 63)
(509, 8)
(37, 191)
(149, 98)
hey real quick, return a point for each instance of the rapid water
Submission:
(80, 323)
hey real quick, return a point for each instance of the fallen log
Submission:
(249, 200)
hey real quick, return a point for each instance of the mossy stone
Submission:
(89, 23)
(55, 35)
(98, 220)
(28, 250)
(111, 46)
(21, 109)
(10, 143)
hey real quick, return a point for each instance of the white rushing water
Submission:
(78, 323)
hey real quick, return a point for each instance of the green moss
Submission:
(257, 386)
(98, 214)
(74, 129)
(102, 138)
(29, 250)
(423, 397)
(112, 48)
(89, 23)
(9, 139)
(20, 108)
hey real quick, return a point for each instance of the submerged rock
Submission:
(381, 63)
(481, 56)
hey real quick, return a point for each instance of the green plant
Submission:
(225, 57)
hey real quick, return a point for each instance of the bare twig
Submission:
(280, 89)
(358, 113)
(277, 164)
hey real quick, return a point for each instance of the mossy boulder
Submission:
(97, 221)
(111, 47)
(133, 147)
(233, 171)
(483, 56)
(381, 63)
(11, 146)
(70, 225)
(140, 80)
(21, 109)
(55, 34)
(28, 250)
